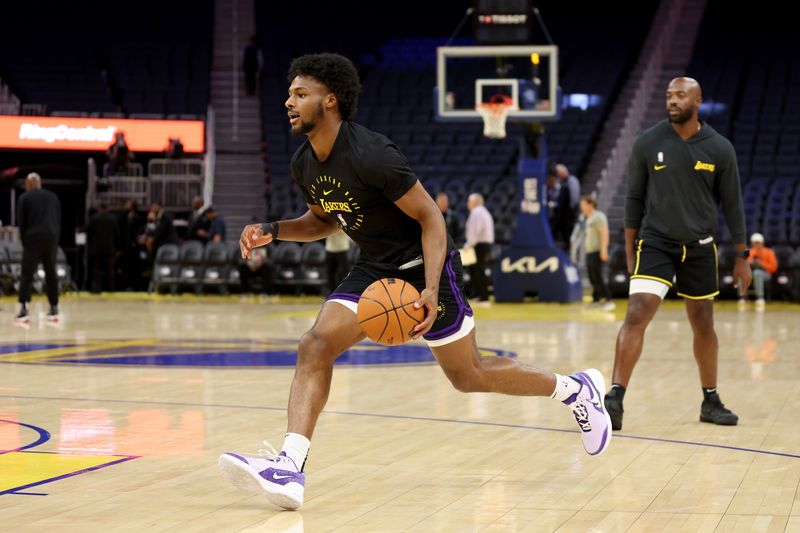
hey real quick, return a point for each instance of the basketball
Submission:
(386, 311)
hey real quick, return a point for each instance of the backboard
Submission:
(470, 75)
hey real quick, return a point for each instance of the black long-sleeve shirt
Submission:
(675, 186)
(39, 216)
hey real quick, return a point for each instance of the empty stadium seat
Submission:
(166, 269)
(312, 260)
(215, 266)
(190, 273)
(288, 268)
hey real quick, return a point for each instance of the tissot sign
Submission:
(92, 134)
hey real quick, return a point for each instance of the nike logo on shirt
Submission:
(660, 167)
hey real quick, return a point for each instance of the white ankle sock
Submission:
(296, 448)
(565, 387)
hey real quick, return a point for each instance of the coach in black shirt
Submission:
(679, 171)
(39, 216)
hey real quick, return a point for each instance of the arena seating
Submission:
(152, 58)
(397, 100)
(11, 268)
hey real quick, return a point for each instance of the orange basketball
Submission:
(386, 311)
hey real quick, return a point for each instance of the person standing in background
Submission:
(336, 247)
(131, 227)
(480, 236)
(104, 246)
(569, 195)
(39, 218)
(450, 218)
(596, 247)
(198, 223)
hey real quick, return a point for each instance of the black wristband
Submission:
(271, 227)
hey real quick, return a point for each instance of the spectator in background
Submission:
(450, 218)
(39, 218)
(764, 264)
(216, 230)
(596, 246)
(256, 273)
(198, 223)
(104, 247)
(552, 202)
(569, 196)
(336, 262)
(480, 236)
(174, 149)
(252, 62)
(159, 231)
(132, 226)
(119, 155)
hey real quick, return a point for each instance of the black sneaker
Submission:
(614, 408)
(23, 317)
(714, 412)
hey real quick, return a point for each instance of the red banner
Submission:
(91, 134)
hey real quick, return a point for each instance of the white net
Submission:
(494, 116)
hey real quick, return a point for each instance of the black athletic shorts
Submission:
(454, 315)
(693, 265)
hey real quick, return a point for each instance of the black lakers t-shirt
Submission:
(357, 186)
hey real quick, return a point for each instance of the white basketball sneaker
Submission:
(276, 476)
(590, 412)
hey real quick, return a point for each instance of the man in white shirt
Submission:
(480, 236)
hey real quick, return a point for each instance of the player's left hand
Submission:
(742, 275)
(429, 299)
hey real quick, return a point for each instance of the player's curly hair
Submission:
(336, 72)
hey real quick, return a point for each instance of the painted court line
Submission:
(405, 417)
(16, 490)
(43, 437)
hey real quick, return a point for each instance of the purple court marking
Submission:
(28, 493)
(404, 417)
(280, 353)
(44, 436)
(15, 490)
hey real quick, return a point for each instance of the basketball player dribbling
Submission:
(358, 180)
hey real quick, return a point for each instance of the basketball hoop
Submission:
(494, 114)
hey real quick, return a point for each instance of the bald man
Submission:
(480, 236)
(678, 173)
(39, 219)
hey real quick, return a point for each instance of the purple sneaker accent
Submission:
(277, 478)
(282, 477)
(589, 411)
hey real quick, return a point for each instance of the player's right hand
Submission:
(253, 236)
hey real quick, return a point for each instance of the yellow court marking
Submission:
(25, 469)
(101, 349)
(36, 356)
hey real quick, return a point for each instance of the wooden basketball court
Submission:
(114, 419)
